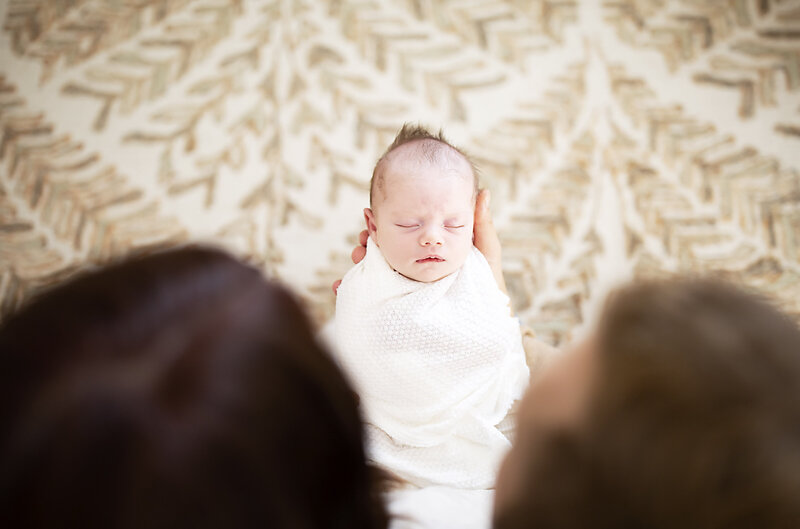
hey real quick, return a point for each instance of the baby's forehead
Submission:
(411, 157)
(428, 152)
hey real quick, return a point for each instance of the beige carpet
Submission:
(620, 139)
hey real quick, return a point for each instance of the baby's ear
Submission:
(372, 228)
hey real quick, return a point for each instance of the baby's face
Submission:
(423, 220)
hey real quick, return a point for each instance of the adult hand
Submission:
(485, 240)
(357, 255)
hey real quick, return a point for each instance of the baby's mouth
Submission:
(431, 259)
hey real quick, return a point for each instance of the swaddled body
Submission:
(422, 327)
(437, 366)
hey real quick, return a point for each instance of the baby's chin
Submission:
(429, 273)
(423, 278)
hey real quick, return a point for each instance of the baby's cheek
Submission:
(466, 243)
(463, 252)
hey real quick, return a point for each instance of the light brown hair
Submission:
(432, 147)
(693, 421)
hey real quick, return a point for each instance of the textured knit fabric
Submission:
(436, 365)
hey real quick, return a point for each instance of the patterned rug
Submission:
(620, 139)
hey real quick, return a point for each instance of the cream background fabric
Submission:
(620, 139)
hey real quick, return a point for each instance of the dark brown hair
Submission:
(694, 421)
(432, 146)
(176, 390)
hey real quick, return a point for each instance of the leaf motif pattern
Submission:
(620, 139)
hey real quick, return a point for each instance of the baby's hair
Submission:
(432, 147)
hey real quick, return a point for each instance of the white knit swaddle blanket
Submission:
(437, 366)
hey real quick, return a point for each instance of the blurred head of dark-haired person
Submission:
(682, 411)
(176, 390)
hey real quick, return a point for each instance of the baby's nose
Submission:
(431, 237)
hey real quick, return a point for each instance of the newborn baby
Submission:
(421, 326)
